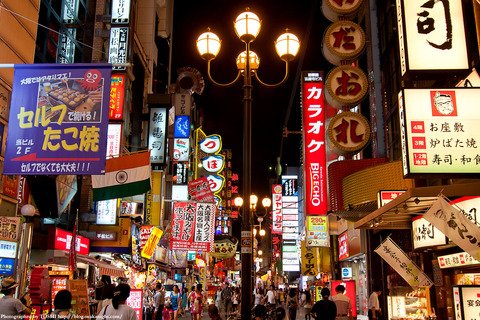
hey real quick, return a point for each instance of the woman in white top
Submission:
(258, 297)
(118, 309)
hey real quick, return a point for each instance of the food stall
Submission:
(405, 303)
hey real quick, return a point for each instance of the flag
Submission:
(124, 176)
(72, 254)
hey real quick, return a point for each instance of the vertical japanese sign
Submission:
(117, 93)
(277, 208)
(457, 227)
(107, 212)
(117, 52)
(66, 46)
(440, 131)
(309, 260)
(120, 11)
(434, 34)
(193, 226)
(156, 135)
(314, 143)
(401, 263)
(70, 11)
(114, 139)
(58, 119)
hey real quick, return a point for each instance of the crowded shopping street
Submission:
(238, 160)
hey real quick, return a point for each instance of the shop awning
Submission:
(104, 268)
(398, 213)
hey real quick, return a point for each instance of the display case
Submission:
(405, 304)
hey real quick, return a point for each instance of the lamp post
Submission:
(247, 26)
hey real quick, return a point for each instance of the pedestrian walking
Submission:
(227, 296)
(344, 306)
(107, 295)
(270, 297)
(62, 304)
(307, 304)
(196, 299)
(324, 309)
(235, 299)
(374, 304)
(175, 302)
(118, 309)
(292, 302)
(184, 301)
(258, 297)
(9, 306)
(159, 301)
(218, 298)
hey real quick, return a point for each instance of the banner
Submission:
(193, 226)
(400, 262)
(152, 243)
(200, 190)
(456, 226)
(58, 119)
(309, 260)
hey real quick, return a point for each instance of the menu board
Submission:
(79, 291)
(58, 283)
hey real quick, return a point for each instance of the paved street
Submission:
(300, 315)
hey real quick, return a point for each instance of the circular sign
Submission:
(343, 40)
(346, 86)
(348, 132)
(121, 177)
(347, 9)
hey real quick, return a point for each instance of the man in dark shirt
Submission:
(324, 309)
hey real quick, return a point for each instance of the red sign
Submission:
(277, 208)
(193, 226)
(200, 190)
(58, 283)
(343, 246)
(64, 238)
(22, 192)
(349, 292)
(314, 144)
(10, 184)
(117, 90)
(135, 301)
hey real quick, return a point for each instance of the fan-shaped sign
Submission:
(215, 182)
(213, 163)
(211, 144)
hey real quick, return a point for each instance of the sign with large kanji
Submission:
(277, 208)
(193, 226)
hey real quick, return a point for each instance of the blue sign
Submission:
(182, 126)
(2, 136)
(58, 119)
(178, 277)
(346, 273)
(7, 266)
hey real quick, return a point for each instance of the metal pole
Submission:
(23, 257)
(247, 170)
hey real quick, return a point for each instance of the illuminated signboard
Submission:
(156, 135)
(384, 197)
(343, 246)
(425, 234)
(277, 208)
(431, 35)
(135, 301)
(120, 12)
(66, 47)
(7, 266)
(459, 259)
(314, 151)
(439, 129)
(289, 210)
(8, 249)
(181, 147)
(182, 127)
(63, 239)
(107, 212)
(117, 52)
(70, 11)
(114, 139)
(317, 231)
(117, 93)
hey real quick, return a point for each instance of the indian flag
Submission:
(124, 176)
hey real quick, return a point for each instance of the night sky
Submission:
(223, 107)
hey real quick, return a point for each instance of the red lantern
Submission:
(325, 278)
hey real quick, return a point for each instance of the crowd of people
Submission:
(276, 302)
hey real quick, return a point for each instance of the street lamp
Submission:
(247, 26)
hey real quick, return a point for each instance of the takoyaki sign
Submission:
(440, 131)
(58, 119)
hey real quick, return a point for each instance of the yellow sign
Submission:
(309, 260)
(152, 242)
(151, 269)
(318, 295)
(153, 204)
(79, 291)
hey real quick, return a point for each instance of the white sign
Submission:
(470, 207)
(114, 139)
(471, 302)
(426, 235)
(181, 148)
(384, 197)
(107, 212)
(179, 192)
(401, 263)
(66, 47)
(70, 11)
(440, 130)
(156, 135)
(8, 249)
(456, 301)
(117, 52)
(291, 267)
(213, 163)
(120, 11)
(458, 228)
(434, 35)
(347, 273)
(183, 104)
(459, 259)
(401, 37)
